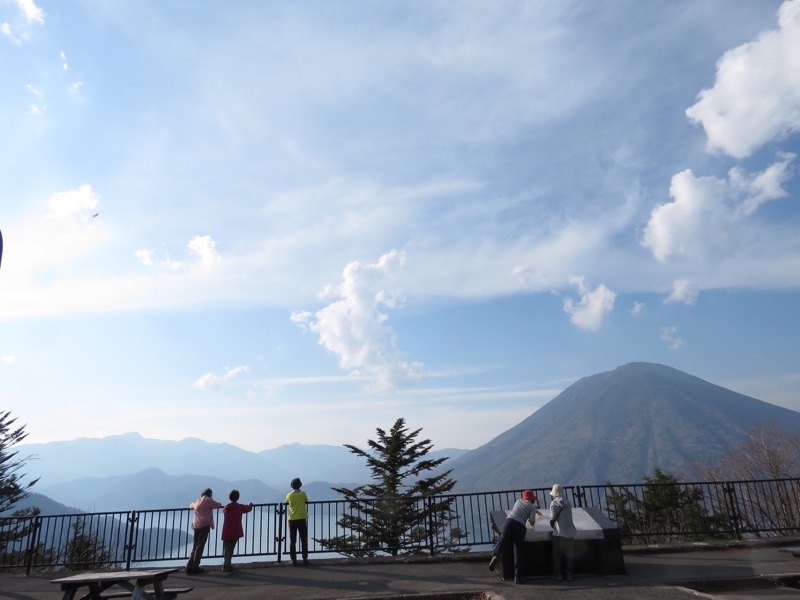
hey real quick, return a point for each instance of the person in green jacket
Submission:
(298, 521)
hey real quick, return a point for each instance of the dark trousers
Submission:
(563, 555)
(228, 546)
(200, 539)
(513, 534)
(298, 526)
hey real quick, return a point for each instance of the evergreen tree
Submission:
(85, 550)
(666, 511)
(396, 512)
(12, 489)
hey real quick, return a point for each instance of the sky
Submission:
(262, 222)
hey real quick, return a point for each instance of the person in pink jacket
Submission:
(202, 524)
(232, 528)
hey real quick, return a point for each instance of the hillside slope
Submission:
(619, 426)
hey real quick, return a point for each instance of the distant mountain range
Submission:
(620, 426)
(130, 472)
(617, 426)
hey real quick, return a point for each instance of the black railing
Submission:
(645, 513)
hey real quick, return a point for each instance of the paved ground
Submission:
(729, 572)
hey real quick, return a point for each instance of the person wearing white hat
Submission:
(563, 533)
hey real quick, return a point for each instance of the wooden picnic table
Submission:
(134, 582)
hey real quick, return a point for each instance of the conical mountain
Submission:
(619, 426)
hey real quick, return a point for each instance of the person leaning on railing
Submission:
(232, 528)
(202, 525)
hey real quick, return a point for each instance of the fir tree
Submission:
(666, 511)
(403, 511)
(12, 489)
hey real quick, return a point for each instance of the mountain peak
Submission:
(620, 426)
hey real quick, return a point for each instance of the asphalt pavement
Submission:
(727, 571)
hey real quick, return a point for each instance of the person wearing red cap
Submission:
(514, 528)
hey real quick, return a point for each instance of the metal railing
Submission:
(644, 513)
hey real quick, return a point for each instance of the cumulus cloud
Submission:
(708, 212)
(756, 95)
(682, 292)
(669, 335)
(592, 307)
(74, 205)
(7, 359)
(637, 308)
(354, 327)
(205, 249)
(210, 381)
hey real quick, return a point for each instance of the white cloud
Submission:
(47, 246)
(205, 248)
(7, 359)
(637, 308)
(762, 187)
(77, 204)
(145, 257)
(593, 306)
(756, 95)
(31, 12)
(210, 381)
(35, 91)
(38, 107)
(354, 327)
(707, 213)
(683, 292)
(668, 335)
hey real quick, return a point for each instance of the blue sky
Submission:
(267, 222)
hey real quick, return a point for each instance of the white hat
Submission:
(557, 490)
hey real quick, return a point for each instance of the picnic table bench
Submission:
(139, 584)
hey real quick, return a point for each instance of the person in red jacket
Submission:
(202, 525)
(232, 528)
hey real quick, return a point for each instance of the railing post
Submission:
(578, 496)
(279, 529)
(430, 524)
(33, 543)
(133, 519)
(733, 511)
